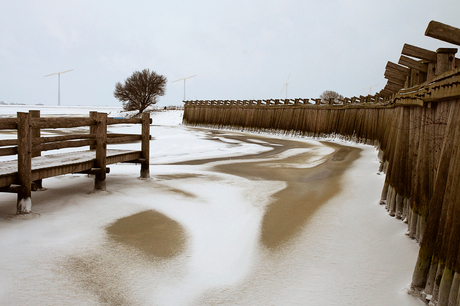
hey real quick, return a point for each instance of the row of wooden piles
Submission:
(419, 150)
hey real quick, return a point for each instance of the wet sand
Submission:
(151, 232)
(306, 189)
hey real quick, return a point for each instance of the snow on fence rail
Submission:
(415, 123)
(25, 174)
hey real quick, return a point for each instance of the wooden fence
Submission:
(25, 174)
(415, 123)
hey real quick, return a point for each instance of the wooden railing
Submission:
(30, 144)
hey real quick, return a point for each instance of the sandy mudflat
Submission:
(306, 189)
(227, 218)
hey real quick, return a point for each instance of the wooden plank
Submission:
(419, 53)
(402, 69)
(392, 86)
(64, 122)
(8, 142)
(411, 63)
(8, 124)
(61, 170)
(111, 121)
(94, 171)
(8, 179)
(8, 151)
(123, 139)
(395, 78)
(63, 144)
(395, 73)
(443, 32)
(49, 139)
(125, 157)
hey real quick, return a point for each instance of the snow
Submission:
(350, 252)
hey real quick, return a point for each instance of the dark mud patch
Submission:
(307, 188)
(151, 232)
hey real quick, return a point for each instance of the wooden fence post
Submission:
(92, 129)
(24, 204)
(446, 60)
(36, 135)
(145, 171)
(101, 151)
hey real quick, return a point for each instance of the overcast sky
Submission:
(238, 49)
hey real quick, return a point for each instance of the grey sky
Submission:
(239, 49)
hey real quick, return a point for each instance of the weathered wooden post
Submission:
(445, 60)
(24, 203)
(36, 135)
(101, 151)
(145, 171)
(92, 129)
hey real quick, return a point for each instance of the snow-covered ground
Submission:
(348, 252)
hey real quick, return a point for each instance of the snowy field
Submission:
(192, 234)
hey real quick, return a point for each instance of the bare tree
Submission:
(328, 94)
(140, 90)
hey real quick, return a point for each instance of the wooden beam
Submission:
(399, 86)
(94, 171)
(92, 129)
(136, 161)
(24, 203)
(402, 69)
(63, 144)
(36, 151)
(419, 53)
(395, 75)
(443, 32)
(392, 87)
(8, 142)
(8, 124)
(396, 81)
(8, 151)
(49, 139)
(145, 171)
(111, 121)
(64, 122)
(123, 139)
(411, 63)
(13, 188)
(101, 151)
